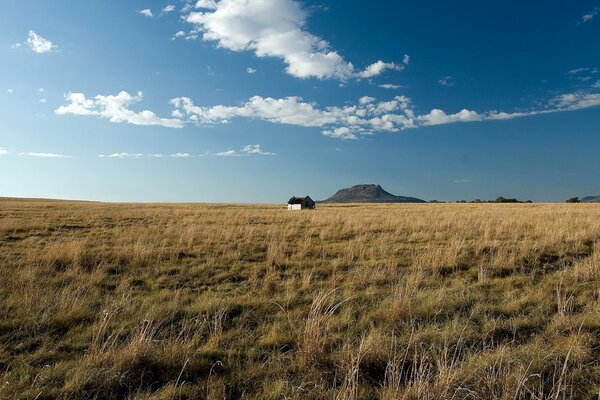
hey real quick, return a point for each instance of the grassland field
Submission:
(191, 301)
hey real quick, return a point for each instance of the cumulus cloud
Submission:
(277, 28)
(169, 8)
(365, 117)
(340, 133)
(37, 44)
(115, 108)
(44, 155)
(378, 68)
(248, 150)
(255, 149)
(207, 4)
(146, 12)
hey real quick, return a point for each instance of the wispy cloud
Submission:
(3, 151)
(181, 155)
(446, 81)
(590, 16)
(37, 44)
(121, 155)
(277, 28)
(228, 153)
(44, 155)
(124, 155)
(248, 150)
(390, 86)
(250, 70)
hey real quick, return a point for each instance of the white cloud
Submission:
(340, 133)
(228, 153)
(178, 35)
(180, 155)
(250, 70)
(439, 117)
(577, 71)
(378, 68)
(208, 4)
(255, 149)
(9, 91)
(115, 108)
(156, 155)
(43, 100)
(576, 101)
(289, 110)
(365, 117)
(121, 155)
(3, 151)
(44, 155)
(146, 12)
(248, 150)
(168, 8)
(390, 86)
(37, 44)
(446, 81)
(276, 28)
(589, 16)
(366, 100)
(350, 121)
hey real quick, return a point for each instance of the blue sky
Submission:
(258, 100)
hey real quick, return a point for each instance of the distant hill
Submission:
(368, 194)
(591, 199)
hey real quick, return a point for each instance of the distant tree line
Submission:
(498, 200)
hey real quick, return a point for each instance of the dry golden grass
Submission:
(431, 301)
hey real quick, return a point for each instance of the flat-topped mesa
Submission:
(591, 199)
(369, 193)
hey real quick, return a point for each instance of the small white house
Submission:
(301, 203)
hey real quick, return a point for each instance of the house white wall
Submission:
(294, 207)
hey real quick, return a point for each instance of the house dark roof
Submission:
(296, 200)
(299, 200)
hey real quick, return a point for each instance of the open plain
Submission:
(186, 301)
